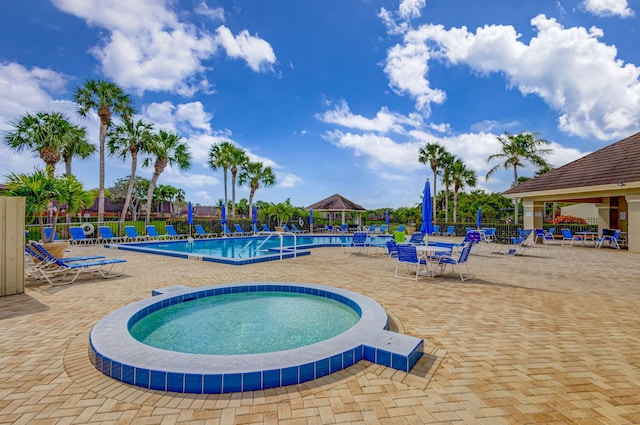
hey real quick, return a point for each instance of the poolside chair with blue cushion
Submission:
(226, 231)
(78, 237)
(344, 228)
(152, 232)
(265, 228)
(436, 230)
(239, 231)
(47, 233)
(296, 230)
(408, 256)
(254, 228)
(286, 228)
(609, 236)
(48, 256)
(358, 243)
(462, 258)
(132, 234)
(392, 251)
(417, 238)
(543, 236)
(372, 229)
(201, 233)
(451, 231)
(107, 236)
(567, 235)
(55, 270)
(383, 228)
(400, 228)
(520, 243)
(173, 234)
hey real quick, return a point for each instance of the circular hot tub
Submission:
(118, 354)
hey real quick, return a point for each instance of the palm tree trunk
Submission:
(152, 186)
(435, 192)
(103, 136)
(446, 204)
(516, 201)
(127, 199)
(233, 191)
(226, 198)
(455, 206)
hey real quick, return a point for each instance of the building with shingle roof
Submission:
(608, 178)
(338, 204)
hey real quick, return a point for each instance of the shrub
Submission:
(569, 219)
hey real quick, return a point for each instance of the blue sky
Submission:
(336, 95)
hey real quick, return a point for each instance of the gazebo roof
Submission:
(617, 163)
(336, 203)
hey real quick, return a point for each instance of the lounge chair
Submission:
(56, 270)
(462, 258)
(78, 237)
(610, 236)
(132, 234)
(392, 251)
(226, 231)
(372, 229)
(567, 235)
(359, 243)
(201, 233)
(296, 230)
(451, 231)
(417, 238)
(383, 229)
(265, 228)
(172, 234)
(519, 243)
(239, 231)
(42, 250)
(152, 232)
(408, 256)
(254, 228)
(47, 233)
(344, 228)
(436, 230)
(400, 228)
(286, 228)
(107, 236)
(543, 236)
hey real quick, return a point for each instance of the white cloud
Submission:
(608, 8)
(288, 180)
(215, 13)
(149, 48)
(378, 150)
(255, 51)
(384, 121)
(596, 94)
(411, 8)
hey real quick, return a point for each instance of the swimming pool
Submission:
(245, 250)
(115, 352)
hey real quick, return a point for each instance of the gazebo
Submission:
(338, 203)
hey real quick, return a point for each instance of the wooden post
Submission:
(12, 210)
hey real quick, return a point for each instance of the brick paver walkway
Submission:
(549, 337)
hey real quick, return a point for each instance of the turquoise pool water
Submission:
(257, 322)
(244, 250)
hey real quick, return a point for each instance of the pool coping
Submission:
(117, 354)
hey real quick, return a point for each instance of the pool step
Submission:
(393, 350)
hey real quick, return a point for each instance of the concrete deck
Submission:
(549, 337)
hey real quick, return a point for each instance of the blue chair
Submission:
(265, 228)
(296, 230)
(106, 235)
(408, 256)
(543, 236)
(47, 233)
(343, 228)
(152, 232)
(519, 243)
(400, 228)
(461, 259)
(132, 234)
(48, 256)
(383, 228)
(226, 231)
(55, 270)
(201, 233)
(417, 238)
(451, 231)
(239, 231)
(436, 230)
(78, 237)
(173, 234)
(254, 228)
(609, 236)
(286, 228)
(567, 235)
(359, 243)
(392, 251)
(372, 228)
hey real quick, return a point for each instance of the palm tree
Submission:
(432, 155)
(129, 138)
(106, 99)
(220, 157)
(238, 159)
(167, 150)
(447, 162)
(461, 176)
(46, 133)
(72, 195)
(76, 146)
(255, 173)
(516, 150)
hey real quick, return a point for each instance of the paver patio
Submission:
(549, 337)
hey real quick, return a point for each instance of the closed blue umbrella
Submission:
(223, 214)
(255, 214)
(427, 211)
(479, 219)
(386, 217)
(189, 214)
(311, 220)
